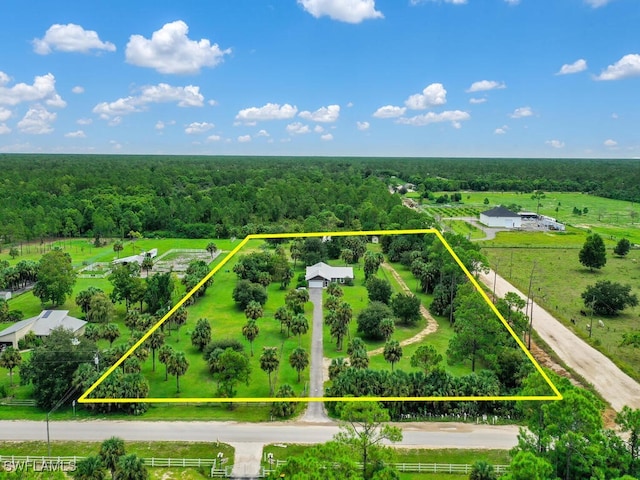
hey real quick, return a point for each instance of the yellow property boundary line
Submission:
(557, 395)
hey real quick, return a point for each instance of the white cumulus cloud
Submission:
(263, 133)
(555, 143)
(214, 138)
(485, 85)
(4, 129)
(198, 127)
(610, 143)
(522, 112)
(454, 2)
(298, 128)
(42, 89)
(627, 66)
(327, 137)
(349, 11)
(476, 101)
(270, 111)
(37, 121)
(76, 134)
(170, 51)
(597, 3)
(453, 116)
(432, 95)
(70, 38)
(318, 129)
(575, 67)
(77, 90)
(84, 121)
(244, 138)
(501, 130)
(362, 126)
(4, 78)
(188, 96)
(389, 111)
(5, 114)
(323, 114)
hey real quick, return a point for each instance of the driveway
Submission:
(315, 411)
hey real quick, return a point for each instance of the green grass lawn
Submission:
(558, 281)
(463, 228)
(610, 218)
(447, 455)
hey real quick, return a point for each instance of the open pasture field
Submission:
(559, 279)
(610, 218)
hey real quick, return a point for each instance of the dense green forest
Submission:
(200, 197)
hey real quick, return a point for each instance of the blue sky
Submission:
(505, 78)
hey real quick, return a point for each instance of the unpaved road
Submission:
(612, 384)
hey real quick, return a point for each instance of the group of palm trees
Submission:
(114, 459)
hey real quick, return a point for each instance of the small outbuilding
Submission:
(321, 275)
(500, 217)
(41, 326)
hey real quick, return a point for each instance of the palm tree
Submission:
(334, 290)
(164, 355)
(147, 264)
(179, 319)
(10, 358)
(201, 335)
(254, 310)
(299, 359)
(299, 326)
(110, 332)
(118, 247)
(177, 365)
(392, 352)
(250, 332)
(482, 470)
(100, 308)
(338, 365)
(295, 252)
(131, 467)
(110, 452)
(92, 332)
(269, 362)
(283, 315)
(155, 341)
(387, 327)
(211, 248)
(90, 468)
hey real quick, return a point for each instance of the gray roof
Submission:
(500, 212)
(45, 322)
(328, 272)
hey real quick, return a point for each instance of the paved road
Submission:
(425, 435)
(315, 410)
(614, 386)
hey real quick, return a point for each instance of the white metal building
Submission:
(500, 217)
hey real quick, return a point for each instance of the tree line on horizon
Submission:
(218, 197)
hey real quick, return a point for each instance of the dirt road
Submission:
(616, 387)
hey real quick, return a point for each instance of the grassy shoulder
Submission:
(558, 281)
(404, 455)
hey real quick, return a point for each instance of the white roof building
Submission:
(41, 326)
(320, 275)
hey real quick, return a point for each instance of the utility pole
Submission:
(530, 298)
(495, 278)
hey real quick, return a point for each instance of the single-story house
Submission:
(320, 275)
(41, 326)
(153, 253)
(500, 217)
